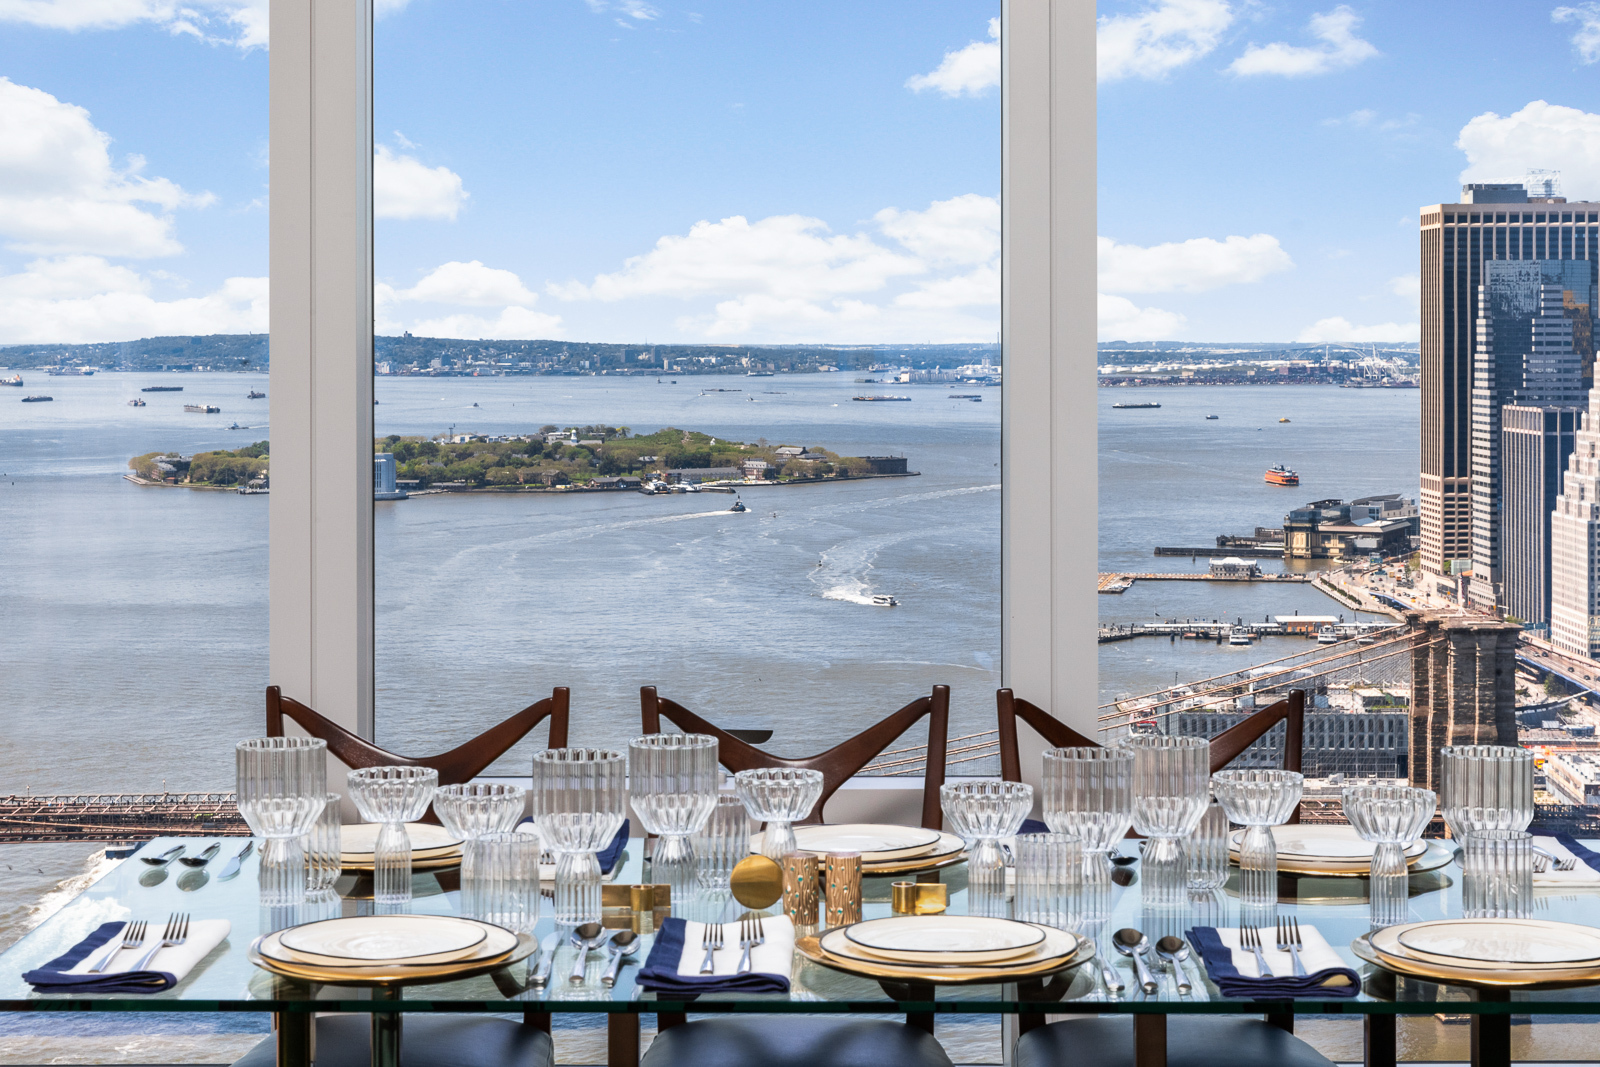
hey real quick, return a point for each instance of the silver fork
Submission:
(1250, 940)
(1289, 941)
(712, 943)
(177, 933)
(132, 937)
(1541, 862)
(1563, 863)
(747, 941)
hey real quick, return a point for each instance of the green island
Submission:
(553, 458)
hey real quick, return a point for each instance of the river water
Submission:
(136, 618)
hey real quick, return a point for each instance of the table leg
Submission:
(666, 1020)
(622, 1039)
(1283, 1020)
(294, 1038)
(539, 1020)
(1379, 1046)
(1150, 1041)
(386, 1039)
(1491, 1040)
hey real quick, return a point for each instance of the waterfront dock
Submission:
(1121, 583)
(1218, 631)
(119, 817)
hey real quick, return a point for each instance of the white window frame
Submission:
(321, 643)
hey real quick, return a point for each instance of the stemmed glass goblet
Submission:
(673, 780)
(779, 797)
(1169, 797)
(983, 812)
(1258, 799)
(1391, 817)
(1088, 794)
(392, 797)
(282, 788)
(472, 811)
(579, 799)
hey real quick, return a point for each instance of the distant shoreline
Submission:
(556, 490)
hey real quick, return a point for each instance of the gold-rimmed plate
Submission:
(944, 939)
(1325, 845)
(368, 940)
(418, 863)
(1054, 945)
(1401, 963)
(500, 948)
(811, 949)
(357, 840)
(948, 850)
(1435, 854)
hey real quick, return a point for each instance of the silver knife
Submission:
(232, 867)
(541, 975)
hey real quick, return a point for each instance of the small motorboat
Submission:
(738, 505)
(1326, 636)
(1240, 637)
(136, 402)
(884, 600)
(1283, 420)
(1212, 417)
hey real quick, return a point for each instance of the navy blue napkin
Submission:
(609, 855)
(50, 979)
(1232, 984)
(1589, 856)
(1033, 826)
(660, 970)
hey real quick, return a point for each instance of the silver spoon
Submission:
(586, 939)
(1174, 950)
(1133, 944)
(191, 880)
(165, 858)
(624, 943)
(204, 858)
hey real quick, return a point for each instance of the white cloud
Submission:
(1191, 266)
(1366, 118)
(470, 285)
(637, 10)
(513, 323)
(1340, 48)
(1541, 135)
(963, 229)
(83, 299)
(1159, 39)
(1122, 320)
(404, 188)
(1339, 328)
(242, 23)
(970, 70)
(1406, 285)
(1586, 41)
(60, 191)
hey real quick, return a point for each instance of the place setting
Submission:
(432, 847)
(132, 956)
(390, 949)
(884, 849)
(1487, 951)
(946, 949)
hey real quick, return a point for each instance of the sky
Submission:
(721, 171)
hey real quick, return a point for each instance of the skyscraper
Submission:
(1575, 544)
(1493, 222)
(1535, 444)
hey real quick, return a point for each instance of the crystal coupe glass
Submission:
(1486, 787)
(1169, 797)
(1258, 800)
(983, 812)
(282, 788)
(472, 811)
(580, 798)
(1391, 817)
(779, 797)
(1088, 794)
(673, 780)
(392, 796)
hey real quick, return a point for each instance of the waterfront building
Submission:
(1535, 442)
(1575, 544)
(1234, 567)
(383, 478)
(1532, 347)
(1492, 222)
(1357, 744)
(1574, 777)
(1328, 529)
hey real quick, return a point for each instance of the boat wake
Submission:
(846, 571)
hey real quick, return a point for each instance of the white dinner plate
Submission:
(1056, 944)
(948, 845)
(1507, 942)
(357, 840)
(497, 942)
(876, 843)
(945, 938)
(1336, 843)
(365, 940)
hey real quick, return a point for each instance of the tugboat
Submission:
(1283, 420)
(1281, 475)
(255, 395)
(36, 399)
(738, 505)
(136, 402)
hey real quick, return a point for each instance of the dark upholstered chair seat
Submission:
(793, 1041)
(1191, 1042)
(426, 1041)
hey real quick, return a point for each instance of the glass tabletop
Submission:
(226, 980)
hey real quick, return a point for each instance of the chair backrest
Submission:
(840, 762)
(461, 764)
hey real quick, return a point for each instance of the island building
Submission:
(1332, 529)
(1575, 544)
(383, 478)
(1492, 222)
(1534, 344)
(1535, 443)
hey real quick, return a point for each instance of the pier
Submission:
(1122, 582)
(119, 817)
(1244, 551)
(1218, 631)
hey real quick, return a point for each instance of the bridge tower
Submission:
(1463, 688)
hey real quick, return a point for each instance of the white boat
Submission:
(884, 600)
(1240, 637)
(1326, 636)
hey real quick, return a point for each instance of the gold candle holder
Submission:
(919, 898)
(843, 900)
(800, 895)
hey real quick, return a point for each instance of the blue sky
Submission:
(734, 172)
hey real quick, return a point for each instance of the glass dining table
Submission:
(227, 981)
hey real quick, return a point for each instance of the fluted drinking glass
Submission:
(321, 846)
(1049, 871)
(1391, 817)
(392, 797)
(983, 812)
(506, 874)
(282, 787)
(1485, 787)
(1258, 800)
(1207, 849)
(1497, 874)
(579, 798)
(1169, 797)
(1088, 793)
(673, 781)
(721, 843)
(471, 811)
(779, 797)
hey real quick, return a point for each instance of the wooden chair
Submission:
(840, 762)
(461, 764)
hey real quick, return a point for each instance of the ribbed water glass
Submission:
(282, 788)
(322, 849)
(472, 811)
(1258, 800)
(1207, 849)
(506, 873)
(1485, 787)
(1170, 794)
(779, 797)
(392, 797)
(983, 812)
(1497, 874)
(580, 798)
(1049, 873)
(722, 842)
(1088, 793)
(1391, 817)
(673, 781)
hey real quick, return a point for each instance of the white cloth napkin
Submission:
(1315, 954)
(178, 961)
(1581, 875)
(776, 956)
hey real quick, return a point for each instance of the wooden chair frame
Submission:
(839, 763)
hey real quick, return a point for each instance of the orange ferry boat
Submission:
(1281, 475)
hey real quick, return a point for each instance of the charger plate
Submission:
(524, 946)
(418, 863)
(1435, 854)
(876, 843)
(811, 949)
(1055, 945)
(1327, 845)
(945, 940)
(949, 851)
(357, 840)
(368, 940)
(1461, 972)
(1495, 942)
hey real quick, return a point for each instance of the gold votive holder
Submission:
(920, 898)
(843, 899)
(801, 897)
